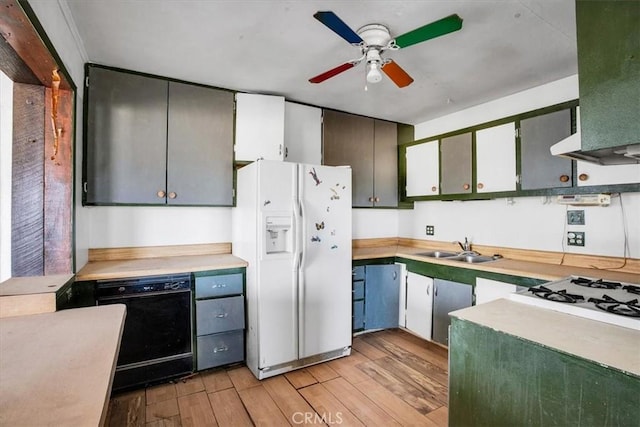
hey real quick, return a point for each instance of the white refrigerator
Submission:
(292, 224)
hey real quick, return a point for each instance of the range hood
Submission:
(571, 148)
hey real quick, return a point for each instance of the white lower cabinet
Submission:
(489, 290)
(419, 304)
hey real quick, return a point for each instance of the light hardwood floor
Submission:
(392, 378)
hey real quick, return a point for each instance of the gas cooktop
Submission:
(607, 301)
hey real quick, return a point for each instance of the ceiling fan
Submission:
(374, 39)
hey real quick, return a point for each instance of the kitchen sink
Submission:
(470, 258)
(438, 254)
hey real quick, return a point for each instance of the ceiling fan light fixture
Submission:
(373, 72)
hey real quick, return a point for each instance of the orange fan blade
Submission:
(397, 74)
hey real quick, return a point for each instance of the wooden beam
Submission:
(14, 67)
(58, 185)
(27, 219)
(18, 31)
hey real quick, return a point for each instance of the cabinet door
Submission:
(419, 304)
(539, 168)
(259, 127)
(385, 167)
(126, 138)
(348, 140)
(382, 296)
(455, 157)
(592, 174)
(496, 158)
(488, 290)
(200, 146)
(448, 296)
(423, 169)
(302, 134)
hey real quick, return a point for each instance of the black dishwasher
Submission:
(157, 337)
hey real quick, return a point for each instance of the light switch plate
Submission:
(575, 217)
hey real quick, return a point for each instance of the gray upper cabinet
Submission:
(126, 135)
(154, 142)
(370, 147)
(539, 168)
(200, 146)
(455, 164)
(385, 168)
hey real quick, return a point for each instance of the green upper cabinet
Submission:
(456, 162)
(609, 72)
(151, 141)
(539, 168)
(369, 146)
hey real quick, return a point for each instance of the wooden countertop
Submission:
(99, 270)
(57, 368)
(512, 267)
(607, 344)
(20, 296)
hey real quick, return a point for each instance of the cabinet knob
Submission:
(371, 199)
(172, 195)
(583, 177)
(564, 178)
(376, 199)
(434, 188)
(161, 194)
(480, 186)
(466, 186)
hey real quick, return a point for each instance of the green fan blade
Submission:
(435, 29)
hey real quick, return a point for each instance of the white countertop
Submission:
(606, 344)
(57, 368)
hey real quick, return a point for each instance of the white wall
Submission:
(6, 144)
(374, 223)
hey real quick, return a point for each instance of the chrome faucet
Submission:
(466, 246)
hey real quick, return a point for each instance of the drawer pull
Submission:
(222, 315)
(221, 349)
(218, 286)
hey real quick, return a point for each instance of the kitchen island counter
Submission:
(606, 344)
(57, 368)
(515, 364)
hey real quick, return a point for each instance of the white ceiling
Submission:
(275, 46)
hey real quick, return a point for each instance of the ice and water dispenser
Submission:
(278, 234)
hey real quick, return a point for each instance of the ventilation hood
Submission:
(571, 148)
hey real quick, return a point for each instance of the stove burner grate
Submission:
(629, 308)
(581, 281)
(559, 296)
(632, 289)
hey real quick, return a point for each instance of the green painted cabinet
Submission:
(496, 379)
(608, 34)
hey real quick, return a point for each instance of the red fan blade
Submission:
(333, 72)
(397, 74)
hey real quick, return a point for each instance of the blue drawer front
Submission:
(220, 349)
(218, 286)
(358, 290)
(358, 273)
(219, 315)
(358, 315)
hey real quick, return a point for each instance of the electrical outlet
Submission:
(575, 238)
(430, 229)
(575, 217)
